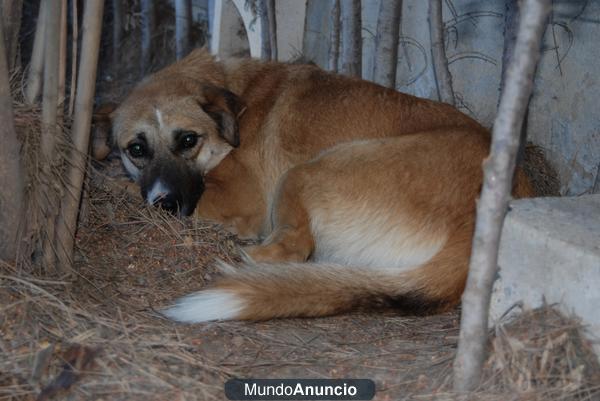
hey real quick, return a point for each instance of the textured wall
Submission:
(563, 117)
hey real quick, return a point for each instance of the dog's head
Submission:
(171, 131)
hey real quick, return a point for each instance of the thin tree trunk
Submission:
(334, 37)
(491, 208)
(351, 55)
(90, 45)
(74, 46)
(386, 43)
(117, 8)
(511, 25)
(268, 33)
(443, 78)
(272, 28)
(11, 172)
(62, 59)
(147, 30)
(36, 66)
(183, 21)
(263, 16)
(49, 123)
(12, 11)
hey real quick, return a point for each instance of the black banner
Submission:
(300, 389)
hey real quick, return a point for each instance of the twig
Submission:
(266, 15)
(147, 13)
(386, 43)
(272, 28)
(62, 59)
(443, 78)
(334, 38)
(36, 67)
(351, 54)
(182, 27)
(74, 46)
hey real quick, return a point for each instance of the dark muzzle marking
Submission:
(172, 186)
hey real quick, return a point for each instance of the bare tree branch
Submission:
(12, 11)
(491, 208)
(183, 21)
(266, 13)
(49, 123)
(272, 28)
(263, 15)
(334, 37)
(117, 34)
(11, 173)
(36, 65)
(74, 46)
(351, 55)
(443, 78)
(62, 58)
(90, 48)
(386, 43)
(511, 25)
(148, 23)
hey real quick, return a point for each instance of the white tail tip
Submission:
(205, 306)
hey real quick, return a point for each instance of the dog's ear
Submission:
(225, 108)
(102, 138)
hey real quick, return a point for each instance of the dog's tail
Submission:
(266, 291)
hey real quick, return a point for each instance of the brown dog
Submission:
(361, 195)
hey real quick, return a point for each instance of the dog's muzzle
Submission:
(164, 197)
(173, 188)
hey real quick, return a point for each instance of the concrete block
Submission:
(550, 249)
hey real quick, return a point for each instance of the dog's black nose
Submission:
(169, 203)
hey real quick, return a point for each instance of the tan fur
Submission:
(363, 195)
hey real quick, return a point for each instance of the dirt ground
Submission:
(99, 335)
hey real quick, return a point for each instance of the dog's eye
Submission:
(136, 150)
(188, 141)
